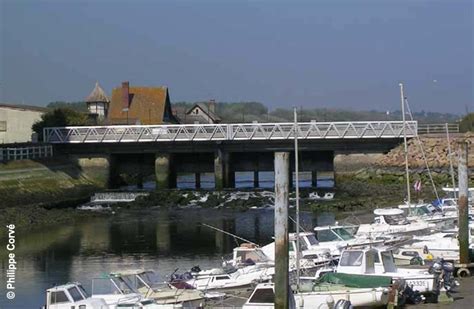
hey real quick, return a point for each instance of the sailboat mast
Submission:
(297, 202)
(402, 98)
(451, 168)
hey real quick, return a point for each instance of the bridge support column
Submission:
(197, 179)
(229, 175)
(255, 178)
(314, 178)
(163, 173)
(219, 169)
(95, 167)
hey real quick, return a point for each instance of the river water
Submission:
(147, 239)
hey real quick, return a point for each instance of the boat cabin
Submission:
(454, 193)
(390, 216)
(366, 261)
(248, 254)
(71, 295)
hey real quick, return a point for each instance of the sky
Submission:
(320, 53)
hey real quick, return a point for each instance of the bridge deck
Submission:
(229, 132)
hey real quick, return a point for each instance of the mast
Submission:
(451, 168)
(402, 98)
(297, 202)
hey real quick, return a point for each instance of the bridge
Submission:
(229, 132)
(220, 149)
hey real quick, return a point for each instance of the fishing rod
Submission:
(230, 234)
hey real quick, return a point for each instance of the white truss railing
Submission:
(229, 132)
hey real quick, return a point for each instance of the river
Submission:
(147, 239)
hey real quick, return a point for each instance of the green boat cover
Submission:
(356, 281)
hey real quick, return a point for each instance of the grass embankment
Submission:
(41, 192)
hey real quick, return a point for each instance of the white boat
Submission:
(119, 294)
(319, 296)
(380, 262)
(454, 193)
(440, 245)
(312, 256)
(146, 283)
(423, 212)
(241, 278)
(392, 221)
(73, 295)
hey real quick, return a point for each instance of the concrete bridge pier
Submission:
(163, 171)
(224, 177)
(96, 167)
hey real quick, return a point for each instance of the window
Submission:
(84, 293)
(351, 258)
(410, 253)
(222, 278)
(312, 240)
(326, 235)
(59, 297)
(263, 296)
(3, 126)
(74, 292)
(343, 233)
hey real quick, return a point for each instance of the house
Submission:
(16, 122)
(203, 113)
(140, 105)
(98, 103)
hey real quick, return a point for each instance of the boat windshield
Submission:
(107, 286)
(75, 294)
(449, 203)
(81, 289)
(263, 296)
(255, 255)
(312, 240)
(343, 233)
(388, 262)
(326, 235)
(351, 258)
(395, 219)
(420, 211)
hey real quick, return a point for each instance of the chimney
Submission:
(125, 95)
(212, 106)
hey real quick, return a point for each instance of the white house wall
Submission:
(18, 124)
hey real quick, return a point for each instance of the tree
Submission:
(59, 117)
(467, 123)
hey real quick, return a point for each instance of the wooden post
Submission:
(463, 204)
(282, 169)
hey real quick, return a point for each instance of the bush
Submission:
(59, 117)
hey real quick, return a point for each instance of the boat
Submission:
(444, 244)
(324, 293)
(427, 213)
(311, 255)
(73, 295)
(380, 262)
(392, 221)
(146, 283)
(119, 294)
(240, 278)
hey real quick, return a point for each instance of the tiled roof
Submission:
(24, 107)
(97, 95)
(205, 108)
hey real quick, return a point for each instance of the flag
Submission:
(417, 186)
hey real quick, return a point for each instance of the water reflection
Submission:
(161, 240)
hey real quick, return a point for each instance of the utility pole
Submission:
(463, 204)
(297, 202)
(282, 165)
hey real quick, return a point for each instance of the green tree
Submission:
(467, 123)
(59, 117)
